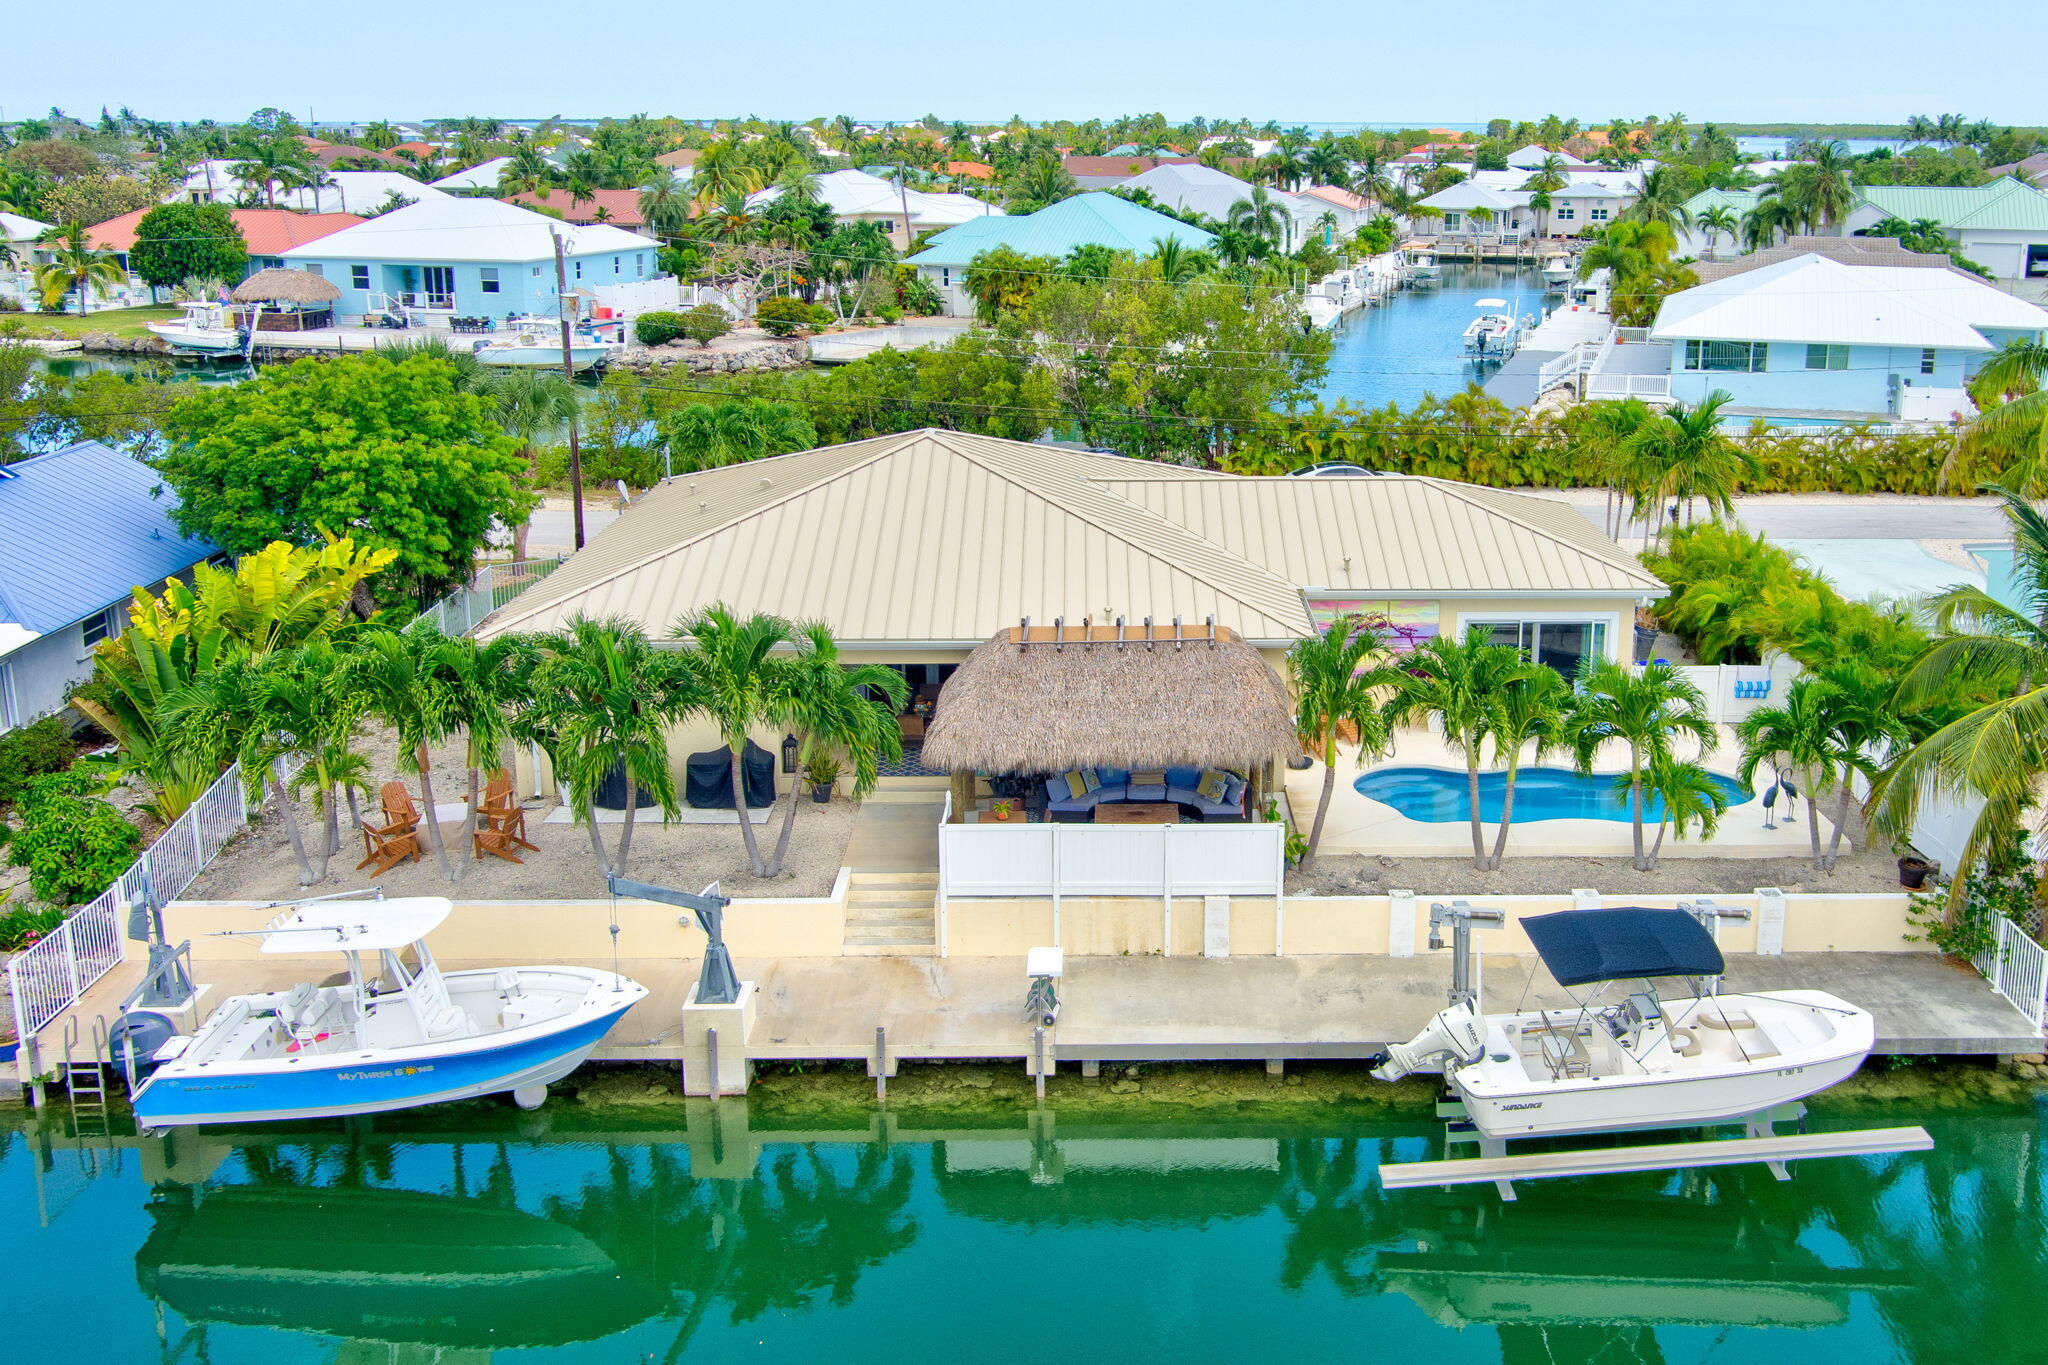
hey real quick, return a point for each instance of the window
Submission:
(359, 277)
(1562, 645)
(536, 271)
(639, 263)
(312, 267)
(489, 274)
(1927, 360)
(438, 283)
(1565, 213)
(579, 270)
(1597, 215)
(618, 265)
(946, 276)
(1827, 357)
(1451, 221)
(2037, 261)
(97, 628)
(1738, 357)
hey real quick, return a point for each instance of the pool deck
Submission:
(1358, 824)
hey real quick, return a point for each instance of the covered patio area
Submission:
(1110, 724)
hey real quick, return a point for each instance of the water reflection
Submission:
(407, 1246)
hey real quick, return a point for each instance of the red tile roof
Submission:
(980, 170)
(622, 207)
(268, 231)
(1119, 166)
(686, 156)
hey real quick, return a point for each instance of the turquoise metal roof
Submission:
(2004, 203)
(85, 525)
(1741, 201)
(1086, 219)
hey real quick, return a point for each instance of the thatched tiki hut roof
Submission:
(286, 286)
(1111, 697)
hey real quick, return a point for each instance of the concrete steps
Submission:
(902, 791)
(892, 913)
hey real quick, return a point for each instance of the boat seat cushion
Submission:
(1731, 1019)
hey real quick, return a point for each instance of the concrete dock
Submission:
(1148, 1008)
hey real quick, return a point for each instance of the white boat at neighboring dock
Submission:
(537, 343)
(1557, 270)
(396, 1034)
(208, 328)
(1423, 269)
(1494, 332)
(1638, 1063)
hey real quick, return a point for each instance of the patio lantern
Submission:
(789, 753)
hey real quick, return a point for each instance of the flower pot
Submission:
(1913, 872)
(821, 792)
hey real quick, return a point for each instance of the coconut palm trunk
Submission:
(789, 816)
(1813, 820)
(1507, 810)
(427, 820)
(626, 830)
(1841, 819)
(604, 859)
(291, 829)
(467, 839)
(1315, 832)
(1637, 803)
(1479, 859)
(739, 803)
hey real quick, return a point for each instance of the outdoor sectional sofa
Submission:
(1115, 785)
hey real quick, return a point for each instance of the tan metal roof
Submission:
(936, 536)
(1397, 534)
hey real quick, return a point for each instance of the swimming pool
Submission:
(1439, 795)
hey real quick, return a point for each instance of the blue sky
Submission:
(1781, 60)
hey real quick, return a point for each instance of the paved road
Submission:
(550, 529)
(1834, 516)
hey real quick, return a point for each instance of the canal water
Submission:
(567, 1236)
(1413, 345)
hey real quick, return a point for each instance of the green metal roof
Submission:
(1085, 219)
(1741, 201)
(2004, 203)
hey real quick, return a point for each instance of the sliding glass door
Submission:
(1562, 645)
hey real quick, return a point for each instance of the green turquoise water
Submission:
(515, 1238)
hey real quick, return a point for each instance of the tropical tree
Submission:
(711, 435)
(1717, 221)
(738, 678)
(665, 207)
(1821, 733)
(836, 710)
(1529, 713)
(1686, 795)
(254, 711)
(2013, 427)
(530, 403)
(482, 686)
(599, 699)
(1039, 183)
(1177, 263)
(1818, 191)
(1648, 710)
(527, 171)
(1004, 279)
(326, 723)
(1548, 178)
(1689, 457)
(74, 264)
(1462, 684)
(1661, 199)
(272, 163)
(1336, 689)
(1260, 215)
(400, 678)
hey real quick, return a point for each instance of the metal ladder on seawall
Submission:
(85, 1087)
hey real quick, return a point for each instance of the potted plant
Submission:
(1913, 870)
(821, 771)
(1002, 808)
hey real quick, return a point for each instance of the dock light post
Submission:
(1461, 917)
(718, 983)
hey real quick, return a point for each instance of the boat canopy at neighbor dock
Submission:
(1582, 946)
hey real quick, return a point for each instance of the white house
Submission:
(1499, 212)
(1195, 188)
(472, 258)
(362, 192)
(17, 237)
(1532, 156)
(857, 197)
(2002, 226)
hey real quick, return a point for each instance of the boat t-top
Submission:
(208, 328)
(1557, 269)
(1424, 268)
(1637, 1062)
(1494, 332)
(396, 1034)
(537, 343)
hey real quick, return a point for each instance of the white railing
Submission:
(2017, 968)
(1112, 860)
(50, 977)
(1646, 386)
(463, 610)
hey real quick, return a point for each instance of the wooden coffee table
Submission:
(1138, 813)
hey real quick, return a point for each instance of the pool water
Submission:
(1441, 795)
(1413, 345)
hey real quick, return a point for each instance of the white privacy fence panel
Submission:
(1111, 860)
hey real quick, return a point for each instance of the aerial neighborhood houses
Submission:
(1092, 219)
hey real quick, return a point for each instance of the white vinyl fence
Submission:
(463, 610)
(48, 978)
(2017, 968)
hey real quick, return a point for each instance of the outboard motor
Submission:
(133, 1041)
(1454, 1034)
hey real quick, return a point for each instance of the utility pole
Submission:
(569, 373)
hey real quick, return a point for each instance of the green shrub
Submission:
(73, 843)
(24, 928)
(2003, 884)
(657, 329)
(44, 747)
(783, 317)
(705, 323)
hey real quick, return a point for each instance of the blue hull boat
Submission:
(400, 1033)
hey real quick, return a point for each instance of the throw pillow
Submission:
(1092, 778)
(1233, 792)
(1077, 785)
(1210, 788)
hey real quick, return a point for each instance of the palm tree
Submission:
(1260, 215)
(75, 264)
(1819, 190)
(839, 710)
(1335, 690)
(262, 713)
(722, 172)
(1648, 709)
(527, 171)
(482, 685)
(665, 207)
(1686, 793)
(1693, 458)
(329, 719)
(2014, 426)
(1819, 735)
(1612, 446)
(1529, 711)
(1715, 221)
(737, 680)
(273, 163)
(599, 698)
(1548, 177)
(529, 403)
(1179, 264)
(1769, 220)
(1461, 684)
(1661, 199)
(398, 678)
(1039, 182)
(713, 435)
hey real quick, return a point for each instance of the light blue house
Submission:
(453, 257)
(91, 525)
(1084, 220)
(1815, 337)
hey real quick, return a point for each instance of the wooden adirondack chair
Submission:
(398, 838)
(500, 822)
